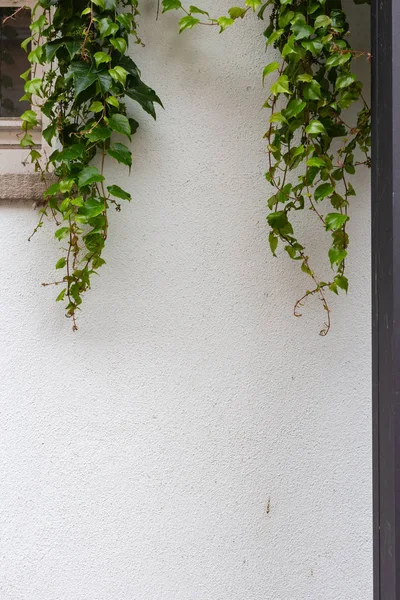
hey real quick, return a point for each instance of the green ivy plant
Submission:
(312, 150)
(83, 46)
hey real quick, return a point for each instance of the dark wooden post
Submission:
(386, 296)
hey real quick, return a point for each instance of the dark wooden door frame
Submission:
(386, 295)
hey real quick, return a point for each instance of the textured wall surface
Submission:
(193, 441)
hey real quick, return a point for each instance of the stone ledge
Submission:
(23, 186)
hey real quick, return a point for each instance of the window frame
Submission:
(10, 127)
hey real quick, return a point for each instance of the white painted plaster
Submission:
(139, 455)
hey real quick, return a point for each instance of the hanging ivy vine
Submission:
(312, 151)
(88, 73)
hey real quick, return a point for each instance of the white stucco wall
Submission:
(138, 456)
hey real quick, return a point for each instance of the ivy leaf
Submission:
(187, 23)
(344, 81)
(254, 4)
(91, 209)
(273, 242)
(315, 127)
(224, 22)
(83, 76)
(101, 57)
(281, 86)
(61, 233)
(275, 35)
(336, 255)
(336, 60)
(270, 68)
(277, 220)
(171, 5)
(96, 107)
(88, 176)
(145, 96)
(236, 12)
(118, 192)
(99, 134)
(197, 11)
(335, 221)
(121, 153)
(119, 74)
(120, 124)
(307, 77)
(60, 264)
(300, 28)
(342, 282)
(312, 91)
(49, 132)
(294, 108)
(316, 162)
(323, 191)
(119, 44)
(322, 21)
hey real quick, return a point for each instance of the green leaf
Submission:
(323, 191)
(312, 91)
(171, 5)
(273, 242)
(119, 74)
(315, 127)
(121, 153)
(345, 81)
(33, 86)
(277, 220)
(270, 68)
(316, 162)
(99, 134)
(300, 28)
(275, 35)
(236, 12)
(254, 4)
(60, 264)
(113, 101)
(91, 209)
(294, 108)
(334, 221)
(30, 117)
(61, 233)
(120, 124)
(307, 77)
(322, 21)
(119, 44)
(101, 57)
(118, 192)
(281, 86)
(96, 107)
(336, 60)
(224, 22)
(88, 176)
(187, 23)
(342, 282)
(197, 11)
(336, 255)
(61, 295)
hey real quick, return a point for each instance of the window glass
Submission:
(13, 61)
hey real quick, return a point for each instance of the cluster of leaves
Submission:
(312, 151)
(82, 45)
